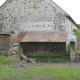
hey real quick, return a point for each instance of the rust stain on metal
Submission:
(42, 37)
(20, 37)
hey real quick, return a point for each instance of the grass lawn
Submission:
(8, 72)
(51, 58)
(38, 73)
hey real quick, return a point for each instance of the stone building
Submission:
(41, 26)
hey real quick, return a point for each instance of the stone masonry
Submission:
(18, 16)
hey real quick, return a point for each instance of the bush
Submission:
(75, 31)
(79, 26)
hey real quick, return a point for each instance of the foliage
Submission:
(72, 45)
(68, 52)
(79, 25)
(75, 31)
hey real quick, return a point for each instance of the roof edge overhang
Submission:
(65, 13)
(70, 18)
(41, 37)
(20, 37)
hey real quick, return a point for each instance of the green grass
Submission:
(8, 59)
(8, 72)
(39, 73)
(51, 58)
(5, 65)
(5, 70)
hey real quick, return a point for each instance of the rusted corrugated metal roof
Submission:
(20, 37)
(42, 37)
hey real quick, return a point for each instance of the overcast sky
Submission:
(70, 6)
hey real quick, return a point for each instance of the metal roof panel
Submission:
(20, 37)
(44, 37)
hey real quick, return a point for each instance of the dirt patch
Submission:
(57, 65)
(63, 65)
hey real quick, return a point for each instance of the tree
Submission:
(79, 26)
(75, 31)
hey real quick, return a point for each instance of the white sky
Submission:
(70, 6)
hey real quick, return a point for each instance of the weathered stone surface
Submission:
(23, 57)
(13, 53)
(23, 61)
(72, 55)
(13, 49)
(29, 60)
(23, 65)
(28, 15)
(31, 15)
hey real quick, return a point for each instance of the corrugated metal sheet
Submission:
(20, 37)
(71, 38)
(42, 37)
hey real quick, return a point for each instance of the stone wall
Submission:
(31, 15)
(44, 48)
